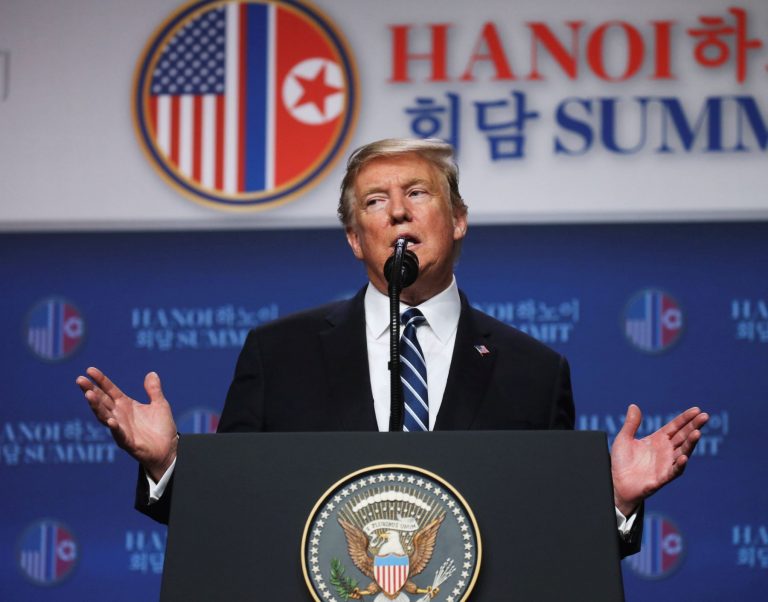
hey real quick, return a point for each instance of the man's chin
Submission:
(423, 289)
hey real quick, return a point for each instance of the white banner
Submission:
(560, 110)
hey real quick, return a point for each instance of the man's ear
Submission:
(354, 242)
(459, 225)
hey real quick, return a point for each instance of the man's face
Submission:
(405, 196)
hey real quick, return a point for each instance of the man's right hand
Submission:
(146, 431)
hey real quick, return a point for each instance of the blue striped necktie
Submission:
(413, 374)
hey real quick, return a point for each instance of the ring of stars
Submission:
(381, 494)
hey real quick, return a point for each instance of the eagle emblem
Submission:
(410, 537)
(389, 561)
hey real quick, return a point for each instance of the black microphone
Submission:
(410, 266)
(407, 264)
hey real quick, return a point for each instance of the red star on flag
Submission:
(315, 90)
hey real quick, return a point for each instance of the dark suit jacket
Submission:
(309, 372)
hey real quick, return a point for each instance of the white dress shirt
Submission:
(436, 337)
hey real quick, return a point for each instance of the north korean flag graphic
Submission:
(653, 320)
(662, 548)
(54, 329)
(48, 552)
(245, 103)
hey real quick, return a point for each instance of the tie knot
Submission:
(413, 316)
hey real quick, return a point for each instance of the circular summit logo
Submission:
(244, 104)
(199, 421)
(392, 533)
(662, 549)
(47, 552)
(54, 329)
(653, 320)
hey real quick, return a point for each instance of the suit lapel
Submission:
(346, 365)
(470, 372)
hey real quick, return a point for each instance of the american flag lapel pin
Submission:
(482, 350)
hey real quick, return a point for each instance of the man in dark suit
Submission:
(325, 369)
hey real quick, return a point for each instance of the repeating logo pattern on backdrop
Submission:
(48, 552)
(198, 421)
(653, 320)
(245, 103)
(662, 549)
(391, 532)
(54, 329)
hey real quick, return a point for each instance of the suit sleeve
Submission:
(631, 543)
(244, 407)
(563, 413)
(161, 509)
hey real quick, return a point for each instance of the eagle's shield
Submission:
(391, 572)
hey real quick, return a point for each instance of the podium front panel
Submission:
(543, 502)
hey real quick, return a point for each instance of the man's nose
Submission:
(399, 210)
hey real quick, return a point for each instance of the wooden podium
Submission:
(543, 502)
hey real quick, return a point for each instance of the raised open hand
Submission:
(640, 467)
(146, 431)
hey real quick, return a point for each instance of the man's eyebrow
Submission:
(408, 184)
(373, 190)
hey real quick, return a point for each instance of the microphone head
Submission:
(409, 271)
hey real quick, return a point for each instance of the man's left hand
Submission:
(640, 467)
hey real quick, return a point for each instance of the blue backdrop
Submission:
(694, 298)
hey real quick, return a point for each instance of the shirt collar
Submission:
(441, 311)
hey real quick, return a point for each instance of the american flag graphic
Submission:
(187, 102)
(653, 320)
(391, 572)
(48, 552)
(662, 548)
(55, 328)
(243, 102)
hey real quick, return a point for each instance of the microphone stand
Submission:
(401, 270)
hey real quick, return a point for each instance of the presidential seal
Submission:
(391, 533)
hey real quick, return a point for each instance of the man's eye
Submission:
(374, 202)
(417, 193)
